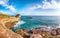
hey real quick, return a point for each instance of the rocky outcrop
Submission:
(22, 33)
(53, 32)
(58, 31)
(36, 36)
(7, 22)
(12, 21)
(18, 15)
(7, 33)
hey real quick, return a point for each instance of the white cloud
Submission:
(4, 3)
(1, 11)
(11, 8)
(35, 7)
(47, 5)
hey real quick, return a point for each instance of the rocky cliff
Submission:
(7, 22)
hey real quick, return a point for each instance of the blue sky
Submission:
(30, 7)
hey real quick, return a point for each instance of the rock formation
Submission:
(6, 22)
(58, 31)
(18, 15)
(53, 32)
(35, 36)
(22, 33)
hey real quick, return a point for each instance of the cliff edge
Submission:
(7, 22)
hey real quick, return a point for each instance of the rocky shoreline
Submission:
(40, 32)
(7, 22)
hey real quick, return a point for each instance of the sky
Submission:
(30, 7)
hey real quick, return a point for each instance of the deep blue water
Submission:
(37, 21)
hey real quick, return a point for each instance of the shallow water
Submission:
(37, 21)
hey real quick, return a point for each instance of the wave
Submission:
(58, 26)
(19, 23)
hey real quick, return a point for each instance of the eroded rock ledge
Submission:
(7, 22)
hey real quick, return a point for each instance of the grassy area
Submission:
(4, 15)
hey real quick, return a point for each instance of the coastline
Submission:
(8, 23)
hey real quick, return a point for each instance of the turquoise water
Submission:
(37, 21)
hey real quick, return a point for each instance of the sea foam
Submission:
(19, 23)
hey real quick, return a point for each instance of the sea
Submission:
(31, 22)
